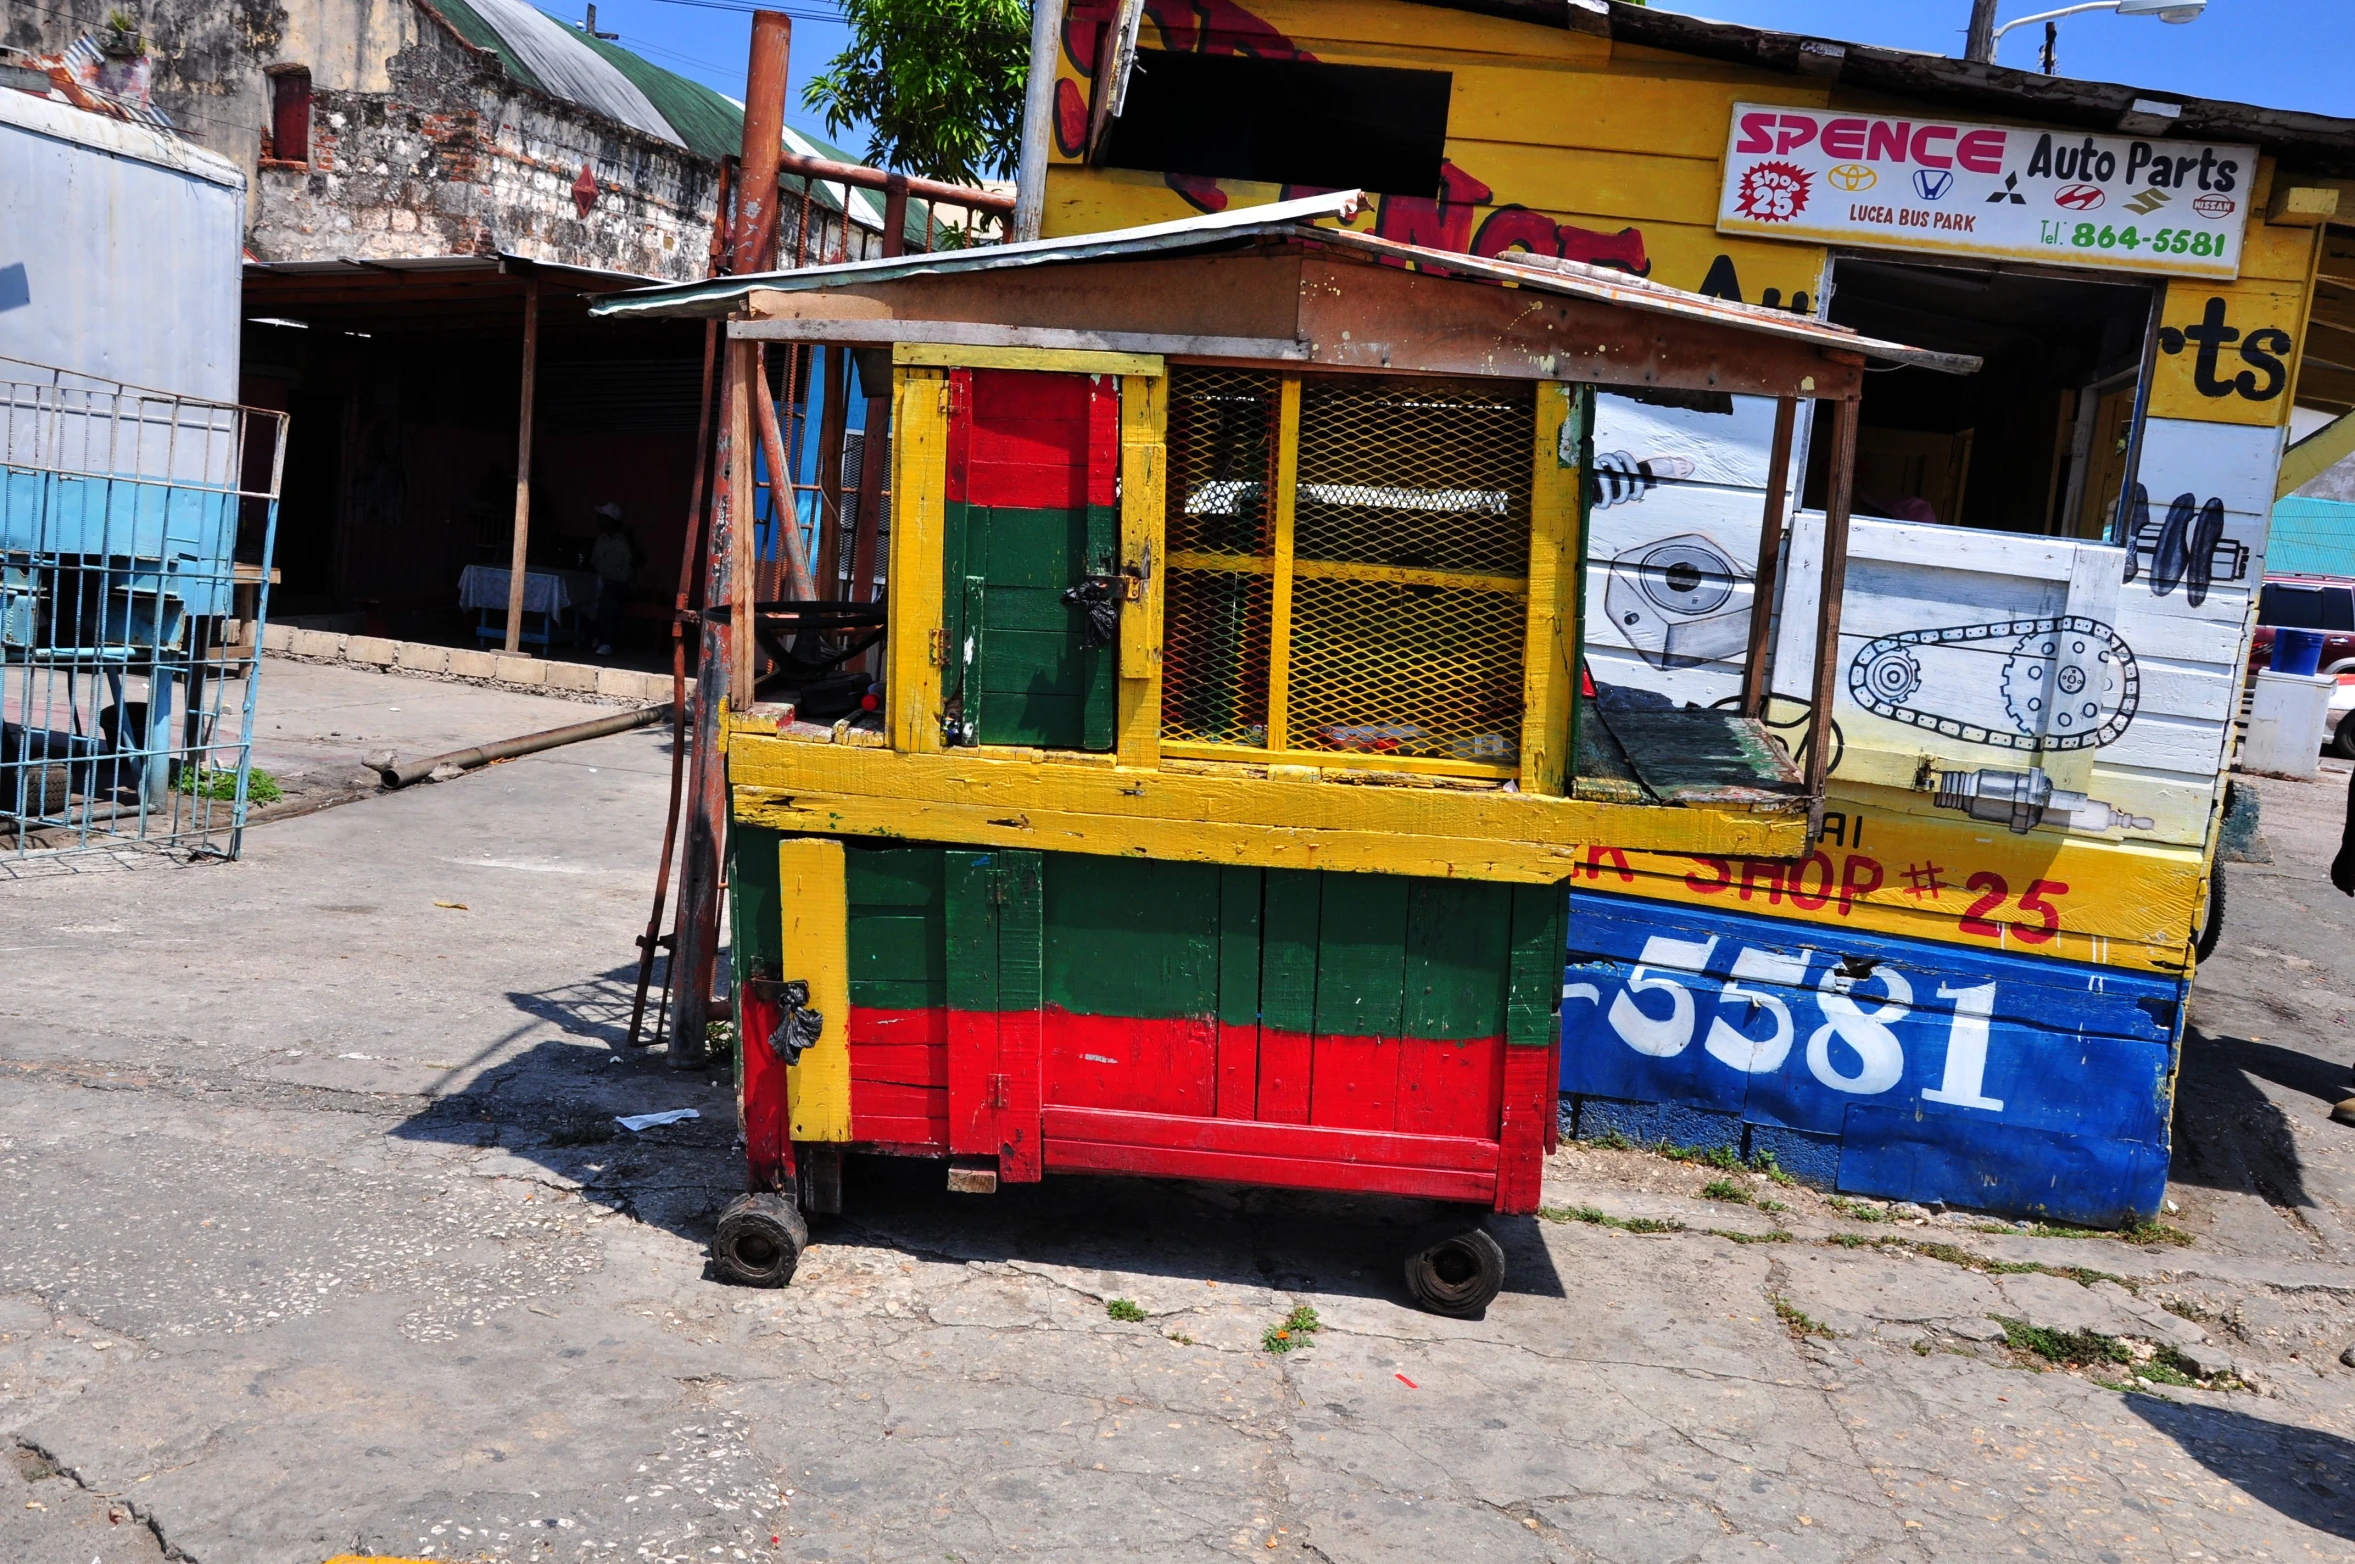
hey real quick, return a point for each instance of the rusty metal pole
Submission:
(1755, 692)
(523, 465)
(1827, 610)
(695, 946)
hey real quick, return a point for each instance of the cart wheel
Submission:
(760, 1241)
(1459, 1275)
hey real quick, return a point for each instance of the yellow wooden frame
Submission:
(918, 644)
(1144, 428)
(1549, 649)
(813, 903)
(1074, 361)
(1279, 637)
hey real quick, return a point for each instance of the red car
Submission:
(2325, 603)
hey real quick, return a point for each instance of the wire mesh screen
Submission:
(127, 627)
(1218, 593)
(1411, 569)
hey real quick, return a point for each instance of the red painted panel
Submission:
(1080, 1156)
(901, 1137)
(1284, 1059)
(890, 1100)
(973, 1062)
(1103, 440)
(869, 1024)
(960, 441)
(1018, 1057)
(1553, 1118)
(1450, 1088)
(766, 1109)
(1026, 441)
(900, 1064)
(1238, 1071)
(1243, 1137)
(1164, 1066)
(1529, 1101)
(1354, 1083)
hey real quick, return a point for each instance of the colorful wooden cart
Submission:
(1230, 758)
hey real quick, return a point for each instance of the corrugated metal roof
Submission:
(1292, 220)
(558, 59)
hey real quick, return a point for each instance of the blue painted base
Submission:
(1877, 1066)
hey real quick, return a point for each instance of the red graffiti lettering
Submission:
(1796, 882)
(1071, 120)
(1219, 27)
(1853, 882)
(1756, 869)
(1518, 228)
(1722, 869)
(1444, 224)
(1597, 856)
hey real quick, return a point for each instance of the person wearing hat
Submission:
(615, 559)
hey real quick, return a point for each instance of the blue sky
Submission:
(2293, 54)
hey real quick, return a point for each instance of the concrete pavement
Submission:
(316, 1236)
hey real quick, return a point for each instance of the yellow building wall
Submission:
(1613, 154)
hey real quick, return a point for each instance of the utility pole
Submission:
(1979, 48)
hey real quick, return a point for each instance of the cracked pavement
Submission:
(316, 1237)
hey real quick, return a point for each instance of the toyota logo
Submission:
(1852, 177)
(2080, 198)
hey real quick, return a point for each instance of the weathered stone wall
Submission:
(420, 145)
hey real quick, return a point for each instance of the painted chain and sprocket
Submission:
(2080, 663)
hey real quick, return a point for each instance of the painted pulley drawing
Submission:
(2066, 682)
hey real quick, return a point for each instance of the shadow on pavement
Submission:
(554, 1106)
(2303, 1473)
(2229, 1134)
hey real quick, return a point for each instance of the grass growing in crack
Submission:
(221, 786)
(1626, 1224)
(1799, 1325)
(1953, 1254)
(1765, 1163)
(2140, 1234)
(1293, 1331)
(1857, 1210)
(1778, 1236)
(1180, 1337)
(1725, 1189)
(2146, 1233)
(1613, 1141)
(2069, 1348)
(1124, 1309)
(1722, 1157)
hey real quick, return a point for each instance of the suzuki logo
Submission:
(1852, 177)
(1931, 184)
(2079, 198)
(2147, 202)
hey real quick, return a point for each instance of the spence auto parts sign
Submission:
(2064, 198)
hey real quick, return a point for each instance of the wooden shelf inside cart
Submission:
(1690, 757)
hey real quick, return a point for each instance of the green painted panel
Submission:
(756, 935)
(1132, 937)
(878, 994)
(1457, 935)
(1021, 930)
(1541, 917)
(895, 877)
(1033, 611)
(1288, 955)
(1239, 892)
(1361, 951)
(955, 524)
(1026, 662)
(1024, 673)
(972, 924)
(1045, 549)
(899, 948)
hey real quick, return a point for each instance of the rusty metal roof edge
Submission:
(503, 263)
(1636, 293)
(718, 297)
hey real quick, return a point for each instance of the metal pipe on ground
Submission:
(403, 773)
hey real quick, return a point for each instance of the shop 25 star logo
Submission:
(1773, 192)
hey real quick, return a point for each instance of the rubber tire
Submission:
(1459, 1276)
(2212, 919)
(760, 1240)
(2342, 741)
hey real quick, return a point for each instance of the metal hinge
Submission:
(1000, 1090)
(940, 648)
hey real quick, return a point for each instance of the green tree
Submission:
(937, 82)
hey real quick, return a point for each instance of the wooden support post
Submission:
(743, 572)
(1827, 610)
(895, 215)
(1557, 539)
(1755, 688)
(831, 422)
(874, 472)
(799, 583)
(523, 465)
(1279, 661)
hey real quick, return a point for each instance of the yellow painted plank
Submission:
(1213, 841)
(1319, 25)
(1579, 107)
(2246, 379)
(813, 905)
(1336, 760)
(1348, 570)
(1076, 361)
(2272, 252)
(1617, 187)
(919, 490)
(1279, 656)
(1549, 655)
(1109, 800)
(2125, 904)
(1144, 420)
(2315, 455)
